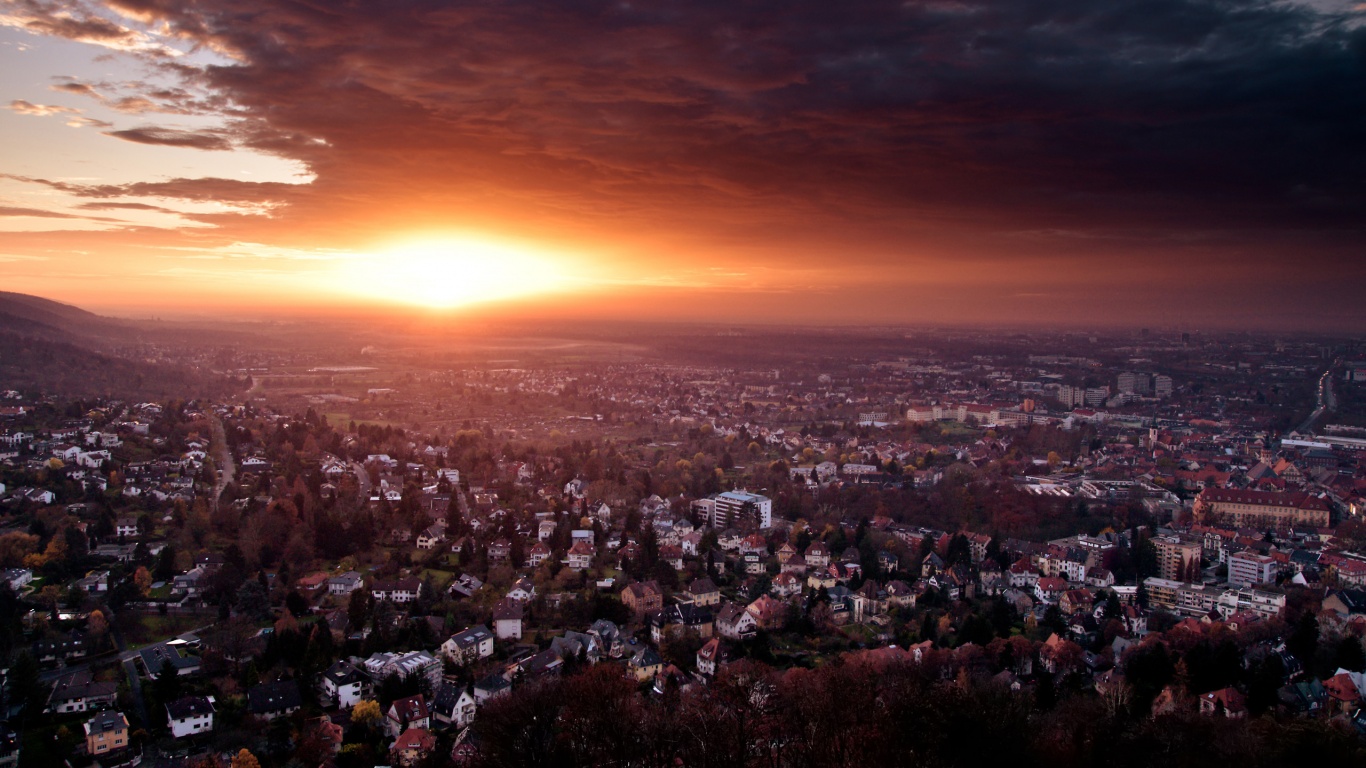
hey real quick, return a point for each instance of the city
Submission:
(363, 558)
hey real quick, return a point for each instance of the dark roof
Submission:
(274, 697)
(1353, 599)
(702, 586)
(686, 614)
(447, 696)
(493, 683)
(409, 709)
(107, 720)
(471, 636)
(507, 610)
(155, 656)
(190, 706)
(343, 673)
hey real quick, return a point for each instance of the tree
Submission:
(366, 713)
(358, 608)
(26, 688)
(1304, 640)
(245, 759)
(1349, 654)
(143, 579)
(252, 600)
(97, 624)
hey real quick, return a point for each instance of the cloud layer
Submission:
(931, 143)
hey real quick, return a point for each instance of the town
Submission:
(382, 559)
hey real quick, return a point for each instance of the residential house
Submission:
(190, 716)
(468, 645)
(1049, 589)
(499, 550)
(191, 583)
(703, 593)
(408, 712)
(17, 578)
(106, 732)
(709, 657)
(126, 527)
(673, 555)
(77, 691)
(491, 687)
(786, 585)
(900, 594)
(768, 612)
(643, 598)
(507, 620)
(523, 591)
(342, 685)
(686, 616)
(412, 746)
(733, 622)
(453, 704)
(271, 700)
(645, 664)
(580, 556)
(539, 553)
(154, 657)
(396, 591)
(66, 647)
(345, 583)
(466, 585)
(1226, 701)
(382, 665)
(431, 537)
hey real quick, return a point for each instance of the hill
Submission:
(35, 316)
(58, 349)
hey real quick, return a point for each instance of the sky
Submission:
(1164, 163)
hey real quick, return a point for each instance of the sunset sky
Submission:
(1081, 162)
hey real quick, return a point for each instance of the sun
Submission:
(447, 273)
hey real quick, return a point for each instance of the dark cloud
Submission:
(203, 189)
(8, 211)
(76, 87)
(124, 207)
(1069, 135)
(170, 137)
(1052, 113)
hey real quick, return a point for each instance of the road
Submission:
(1327, 401)
(227, 471)
(130, 668)
(362, 481)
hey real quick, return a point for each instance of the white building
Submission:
(728, 509)
(382, 665)
(343, 685)
(1248, 568)
(345, 583)
(190, 716)
(469, 645)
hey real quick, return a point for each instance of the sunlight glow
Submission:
(449, 273)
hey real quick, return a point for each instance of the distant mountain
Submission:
(58, 349)
(34, 316)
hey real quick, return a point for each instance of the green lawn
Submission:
(151, 628)
(441, 579)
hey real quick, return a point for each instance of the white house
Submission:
(190, 716)
(345, 583)
(507, 620)
(342, 685)
(469, 645)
